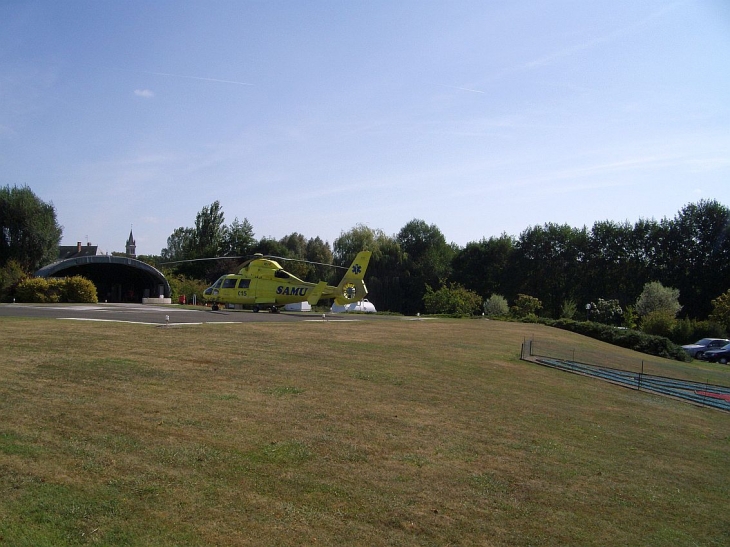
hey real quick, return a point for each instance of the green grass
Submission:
(384, 432)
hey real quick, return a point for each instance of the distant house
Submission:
(76, 251)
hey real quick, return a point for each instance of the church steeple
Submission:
(131, 246)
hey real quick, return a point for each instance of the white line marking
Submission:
(146, 323)
(108, 320)
(331, 320)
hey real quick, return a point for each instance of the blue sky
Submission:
(480, 117)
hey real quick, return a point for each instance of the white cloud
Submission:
(146, 93)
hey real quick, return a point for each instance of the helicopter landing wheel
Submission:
(255, 309)
(215, 307)
(273, 309)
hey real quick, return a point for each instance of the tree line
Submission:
(558, 264)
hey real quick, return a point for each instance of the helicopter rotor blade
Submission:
(306, 261)
(203, 259)
(252, 257)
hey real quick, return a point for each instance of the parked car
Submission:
(698, 349)
(720, 355)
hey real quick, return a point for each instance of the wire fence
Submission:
(699, 372)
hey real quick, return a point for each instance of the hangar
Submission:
(117, 278)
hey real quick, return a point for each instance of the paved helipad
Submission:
(157, 315)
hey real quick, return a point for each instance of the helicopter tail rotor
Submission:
(352, 287)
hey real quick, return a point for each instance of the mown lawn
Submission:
(387, 432)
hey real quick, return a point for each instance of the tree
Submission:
(549, 262)
(386, 269)
(238, 239)
(427, 261)
(721, 310)
(657, 298)
(10, 275)
(29, 232)
(359, 238)
(296, 246)
(485, 266)
(269, 246)
(696, 255)
(179, 245)
(210, 232)
(209, 238)
(319, 251)
(617, 260)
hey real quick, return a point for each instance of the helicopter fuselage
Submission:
(262, 282)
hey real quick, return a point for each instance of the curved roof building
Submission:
(117, 278)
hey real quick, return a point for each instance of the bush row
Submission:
(74, 289)
(626, 338)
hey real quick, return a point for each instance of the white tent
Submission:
(298, 306)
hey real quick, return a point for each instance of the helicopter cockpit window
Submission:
(281, 274)
(229, 283)
(244, 284)
(217, 284)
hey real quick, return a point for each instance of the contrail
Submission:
(195, 78)
(462, 88)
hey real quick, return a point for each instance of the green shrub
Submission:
(626, 338)
(658, 322)
(656, 297)
(606, 311)
(568, 309)
(66, 289)
(683, 331)
(630, 317)
(496, 306)
(32, 289)
(451, 300)
(708, 329)
(56, 290)
(181, 285)
(79, 289)
(526, 306)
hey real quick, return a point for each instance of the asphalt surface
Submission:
(157, 315)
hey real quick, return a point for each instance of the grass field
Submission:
(387, 432)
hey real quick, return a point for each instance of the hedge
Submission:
(74, 289)
(626, 338)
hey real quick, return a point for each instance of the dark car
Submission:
(720, 355)
(698, 349)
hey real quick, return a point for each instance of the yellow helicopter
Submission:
(263, 283)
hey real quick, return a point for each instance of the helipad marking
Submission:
(147, 323)
(74, 308)
(108, 320)
(331, 320)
